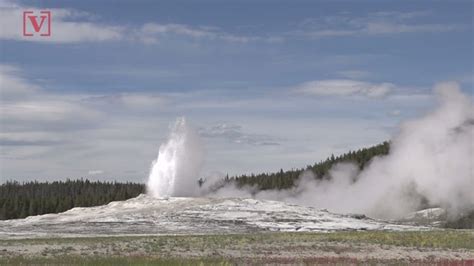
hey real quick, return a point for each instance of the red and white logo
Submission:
(37, 24)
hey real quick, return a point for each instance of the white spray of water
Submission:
(175, 171)
(431, 159)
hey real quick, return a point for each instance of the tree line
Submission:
(19, 200)
(287, 179)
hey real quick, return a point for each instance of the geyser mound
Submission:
(148, 215)
(174, 172)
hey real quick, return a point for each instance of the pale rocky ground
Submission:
(145, 215)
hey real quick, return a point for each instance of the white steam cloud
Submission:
(175, 171)
(430, 162)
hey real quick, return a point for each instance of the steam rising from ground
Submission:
(430, 161)
(175, 171)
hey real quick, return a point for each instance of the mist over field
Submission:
(429, 164)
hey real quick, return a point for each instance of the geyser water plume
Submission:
(175, 171)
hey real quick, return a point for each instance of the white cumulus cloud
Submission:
(344, 87)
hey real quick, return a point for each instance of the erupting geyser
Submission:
(429, 164)
(174, 172)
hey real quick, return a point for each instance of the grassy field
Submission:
(443, 246)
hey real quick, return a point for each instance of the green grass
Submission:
(454, 239)
(211, 249)
(118, 261)
(78, 260)
(450, 239)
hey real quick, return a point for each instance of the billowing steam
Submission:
(430, 163)
(175, 171)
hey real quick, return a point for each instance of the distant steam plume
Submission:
(431, 159)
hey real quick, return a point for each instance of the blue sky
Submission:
(268, 84)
